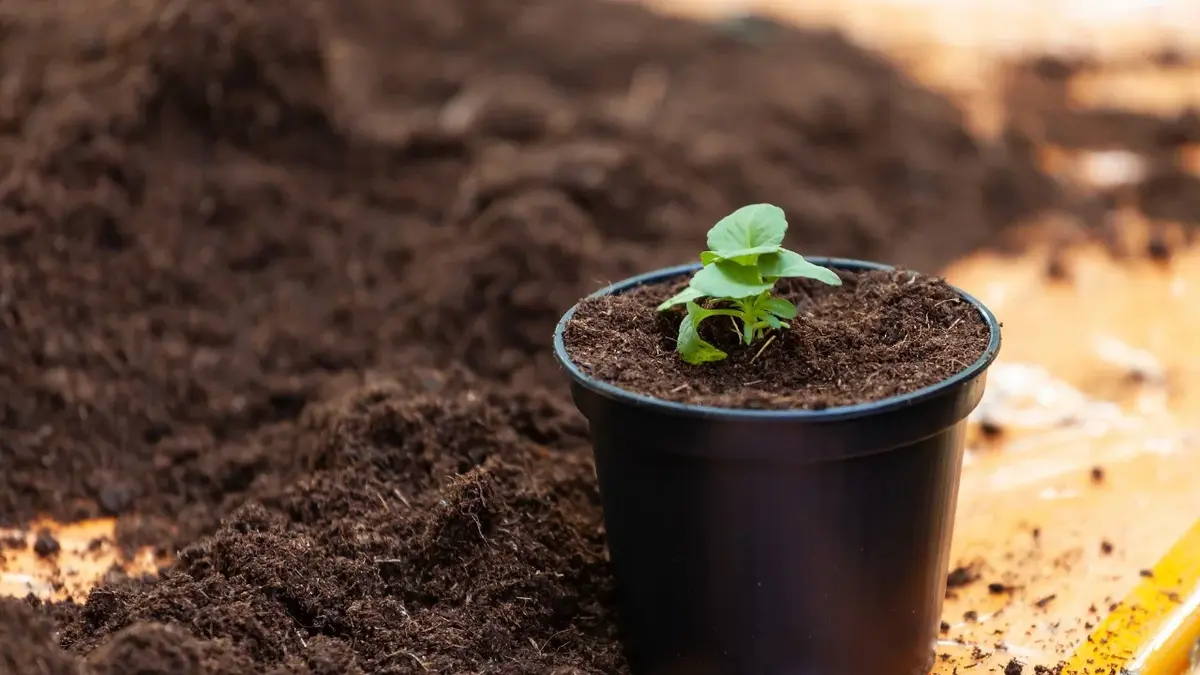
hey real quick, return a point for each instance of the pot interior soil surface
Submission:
(879, 334)
(278, 283)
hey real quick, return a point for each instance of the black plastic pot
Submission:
(756, 542)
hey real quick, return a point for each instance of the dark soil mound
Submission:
(218, 216)
(426, 525)
(877, 335)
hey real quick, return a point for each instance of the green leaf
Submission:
(774, 322)
(780, 308)
(725, 279)
(686, 295)
(693, 348)
(748, 232)
(742, 256)
(787, 263)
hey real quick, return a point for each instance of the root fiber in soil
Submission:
(278, 282)
(877, 335)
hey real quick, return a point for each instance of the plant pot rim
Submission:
(833, 414)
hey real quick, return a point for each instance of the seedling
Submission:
(745, 258)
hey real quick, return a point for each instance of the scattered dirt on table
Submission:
(249, 251)
(878, 334)
(999, 588)
(45, 545)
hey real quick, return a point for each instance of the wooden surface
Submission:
(1066, 546)
(86, 555)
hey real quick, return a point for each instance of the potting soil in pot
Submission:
(878, 334)
(242, 285)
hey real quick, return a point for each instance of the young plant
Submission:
(745, 258)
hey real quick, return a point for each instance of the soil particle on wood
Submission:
(1044, 602)
(964, 575)
(1056, 267)
(991, 429)
(879, 334)
(45, 545)
(998, 588)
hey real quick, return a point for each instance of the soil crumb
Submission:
(879, 334)
(964, 575)
(45, 545)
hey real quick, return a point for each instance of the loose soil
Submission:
(879, 334)
(278, 282)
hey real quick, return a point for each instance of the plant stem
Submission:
(763, 349)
